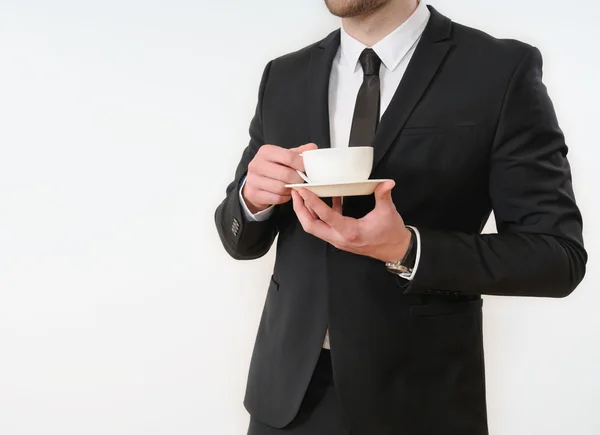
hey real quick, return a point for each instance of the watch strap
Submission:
(411, 253)
(407, 263)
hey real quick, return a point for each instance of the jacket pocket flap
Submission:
(445, 309)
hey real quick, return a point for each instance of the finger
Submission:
(310, 224)
(260, 182)
(383, 193)
(346, 230)
(305, 216)
(275, 171)
(337, 204)
(307, 147)
(312, 213)
(283, 156)
(257, 196)
(331, 217)
(301, 149)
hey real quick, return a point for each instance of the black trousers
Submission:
(320, 412)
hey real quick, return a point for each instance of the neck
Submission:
(372, 27)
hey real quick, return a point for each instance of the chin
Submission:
(353, 8)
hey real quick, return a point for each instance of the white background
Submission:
(121, 122)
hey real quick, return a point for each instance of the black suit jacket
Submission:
(470, 129)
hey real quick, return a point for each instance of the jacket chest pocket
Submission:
(440, 151)
(436, 161)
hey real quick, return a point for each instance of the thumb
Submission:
(306, 147)
(383, 193)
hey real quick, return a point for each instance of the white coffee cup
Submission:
(338, 165)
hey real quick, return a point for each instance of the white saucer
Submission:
(353, 188)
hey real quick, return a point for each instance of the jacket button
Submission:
(235, 227)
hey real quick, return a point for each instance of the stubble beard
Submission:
(353, 8)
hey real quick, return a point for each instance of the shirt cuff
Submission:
(409, 276)
(253, 217)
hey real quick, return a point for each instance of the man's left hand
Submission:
(381, 234)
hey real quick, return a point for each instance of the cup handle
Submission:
(303, 176)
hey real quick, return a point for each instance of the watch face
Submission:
(397, 268)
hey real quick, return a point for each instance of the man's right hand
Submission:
(271, 169)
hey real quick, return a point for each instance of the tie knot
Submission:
(370, 62)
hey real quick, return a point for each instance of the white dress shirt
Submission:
(395, 52)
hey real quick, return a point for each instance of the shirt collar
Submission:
(391, 49)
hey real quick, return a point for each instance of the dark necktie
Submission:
(366, 110)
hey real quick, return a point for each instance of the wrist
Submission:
(405, 264)
(400, 247)
(252, 207)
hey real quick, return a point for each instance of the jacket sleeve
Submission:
(244, 239)
(539, 248)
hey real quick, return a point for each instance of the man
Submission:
(372, 322)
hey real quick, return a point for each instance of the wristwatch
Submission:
(406, 265)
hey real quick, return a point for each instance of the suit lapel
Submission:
(321, 61)
(425, 62)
